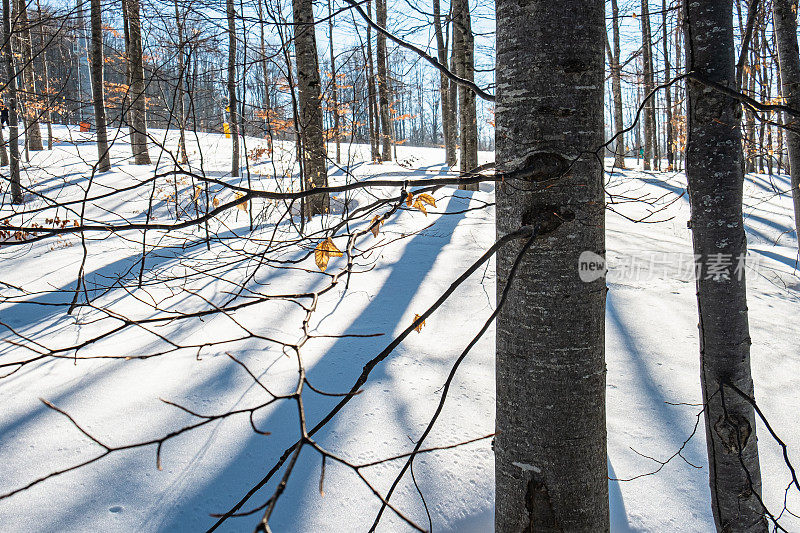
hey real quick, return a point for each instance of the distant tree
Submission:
(613, 50)
(137, 83)
(448, 117)
(383, 84)
(97, 64)
(33, 136)
(11, 89)
(464, 56)
(233, 114)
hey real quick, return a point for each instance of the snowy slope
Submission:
(652, 357)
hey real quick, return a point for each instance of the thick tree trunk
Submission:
(616, 87)
(310, 106)
(714, 174)
(383, 84)
(550, 448)
(13, 130)
(649, 85)
(33, 136)
(784, 16)
(98, 99)
(233, 109)
(462, 29)
(137, 85)
(448, 118)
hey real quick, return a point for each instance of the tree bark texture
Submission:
(550, 448)
(714, 173)
(448, 118)
(784, 16)
(383, 84)
(13, 129)
(465, 61)
(310, 106)
(616, 87)
(98, 99)
(649, 85)
(138, 117)
(233, 103)
(33, 135)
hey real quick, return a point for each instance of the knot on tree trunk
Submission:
(734, 432)
(540, 506)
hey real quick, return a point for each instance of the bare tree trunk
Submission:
(649, 85)
(310, 104)
(46, 68)
(550, 448)
(13, 131)
(383, 84)
(3, 150)
(96, 56)
(462, 33)
(233, 110)
(448, 120)
(374, 118)
(715, 178)
(334, 88)
(668, 91)
(784, 16)
(33, 136)
(183, 157)
(141, 155)
(616, 86)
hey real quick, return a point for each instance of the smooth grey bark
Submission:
(141, 155)
(550, 448)
(383, 84)
(233, 109)
(33, 135)
(448, 118)
(784, 16)
(715, 182)
(613, 50)
(98, 99)
(650, 141)
(310, 107)
(465, 61)
(48, 111)
(13, 130)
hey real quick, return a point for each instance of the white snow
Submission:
(652, 356)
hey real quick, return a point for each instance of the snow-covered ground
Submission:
(652, 354)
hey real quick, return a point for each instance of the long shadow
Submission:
(335, 371)
(791, 263)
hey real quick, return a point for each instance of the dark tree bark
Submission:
(650, 139)
(334, 88)
(183, 156)
(233, 104)
(33, 136)
(98, 99)
(372, 95)
(383, 84)
(616, 86)
(448, 117)
(715, 178)
(464, 56)
(784, 16)
(668, 91)
(48, 111)
(13, 130)
(550, 448)
(310, 106)
(141, 155)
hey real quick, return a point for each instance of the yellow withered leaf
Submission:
(409, 199)
(376, 226)
(421, 324)
(243, 204)
(197, 191)
(215, 201)
(426, 198)
(324, 251)
(419, 205)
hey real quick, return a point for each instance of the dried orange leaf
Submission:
(421, 324)
(426, 198)
(376, 226)
(419, 205)
(215, 201)
(197, 191)
(409, 199)
(243, 204)
(324, 251)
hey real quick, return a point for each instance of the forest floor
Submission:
(652, 354)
